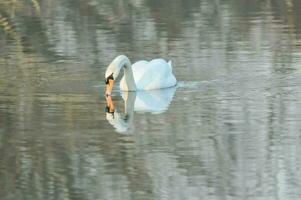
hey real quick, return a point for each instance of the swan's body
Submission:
(151, 75)
(142, 75)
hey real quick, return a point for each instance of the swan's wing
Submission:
(138, 69)
(152, 75)
(157, 74)
(170, 64)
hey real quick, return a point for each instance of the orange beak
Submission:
(110, 104)
(109, 87)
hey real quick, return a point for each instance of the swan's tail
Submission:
(170, 64)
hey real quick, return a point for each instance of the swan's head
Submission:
(111, 75)
(113, 71)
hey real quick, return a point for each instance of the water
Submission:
(229, 130)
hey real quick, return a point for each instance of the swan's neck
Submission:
(122, 62)
(129, 77)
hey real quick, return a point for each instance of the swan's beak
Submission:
(110, 105)
(109, 87)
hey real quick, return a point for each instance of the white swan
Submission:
(142, 75)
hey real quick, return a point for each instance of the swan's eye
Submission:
(108, 78)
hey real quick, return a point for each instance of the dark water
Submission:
(230, 130)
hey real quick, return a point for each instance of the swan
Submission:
(142, 75)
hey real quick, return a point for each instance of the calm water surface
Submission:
(230, 129)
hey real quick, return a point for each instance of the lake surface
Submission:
(231, 129)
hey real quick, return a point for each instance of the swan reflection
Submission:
(154, 101)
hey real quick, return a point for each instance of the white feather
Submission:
(151, 75)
